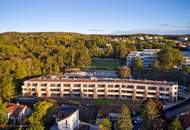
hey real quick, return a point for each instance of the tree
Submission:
(151, 113)
(175, 125)
(124, 122)
(3, 114)
(7, 88)
(105, 124)
(124, 72)
(168, 58)
(138, 64)
(186, 69)
(40, 113)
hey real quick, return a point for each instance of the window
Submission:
(116, 86)
(140, 87)
(76, 90)
(28, 84)
(130, 86)
(90, 90)
(100, 95)
(90, 95)
(151, 93)
(101, 85)
(84, 85)
(77, 85)
(113, 90)
(162, 94)
(152, 88)
(66, 85)
(43, 94)
(52, 85)
(43, 89)
(58, 85)
(43, 85)
(84, 90)
(110, 86)
(167, 89)
(66, 90)
(91, 85)
(34, 84)
(139, 92)
(124, 86)
(55, 90)
(126, 96)
(125, 91)
(100, 90)
(161, 89)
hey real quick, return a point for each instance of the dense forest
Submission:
(24, 55)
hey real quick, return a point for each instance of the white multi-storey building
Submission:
(88, 86)
(147, 56)
(186, 56)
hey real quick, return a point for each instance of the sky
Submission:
(96, 16)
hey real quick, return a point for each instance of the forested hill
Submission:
(26, 54)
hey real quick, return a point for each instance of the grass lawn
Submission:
(105, 63)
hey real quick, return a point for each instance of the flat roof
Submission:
(95, 79)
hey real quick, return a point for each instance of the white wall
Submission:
(72, 122)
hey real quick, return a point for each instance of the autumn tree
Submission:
(152, 115)
(175, 125)
(105, 124)
(125, 121)
(124, 72)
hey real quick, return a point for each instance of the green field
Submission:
(105, 63)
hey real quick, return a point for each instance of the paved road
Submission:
(92, 127)
(178, 109)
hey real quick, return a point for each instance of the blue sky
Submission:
(96, 16)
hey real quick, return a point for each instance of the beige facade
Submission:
(100, 88)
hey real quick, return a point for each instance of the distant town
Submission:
(73, 81)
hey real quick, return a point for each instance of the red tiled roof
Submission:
(15, 109)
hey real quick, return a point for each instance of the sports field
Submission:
(105, 63)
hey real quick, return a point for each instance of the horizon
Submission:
(102, 17)
(100, 33)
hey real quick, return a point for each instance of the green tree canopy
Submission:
(168, 58)
(41, 110)
(3, 114)
(7, 88)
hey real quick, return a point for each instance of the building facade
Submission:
(147, 57)
(186, 56)
(67, 118)
(93, 87)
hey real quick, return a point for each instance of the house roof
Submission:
(185, 121)
(15, 109)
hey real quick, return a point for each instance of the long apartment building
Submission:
(89, 86)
